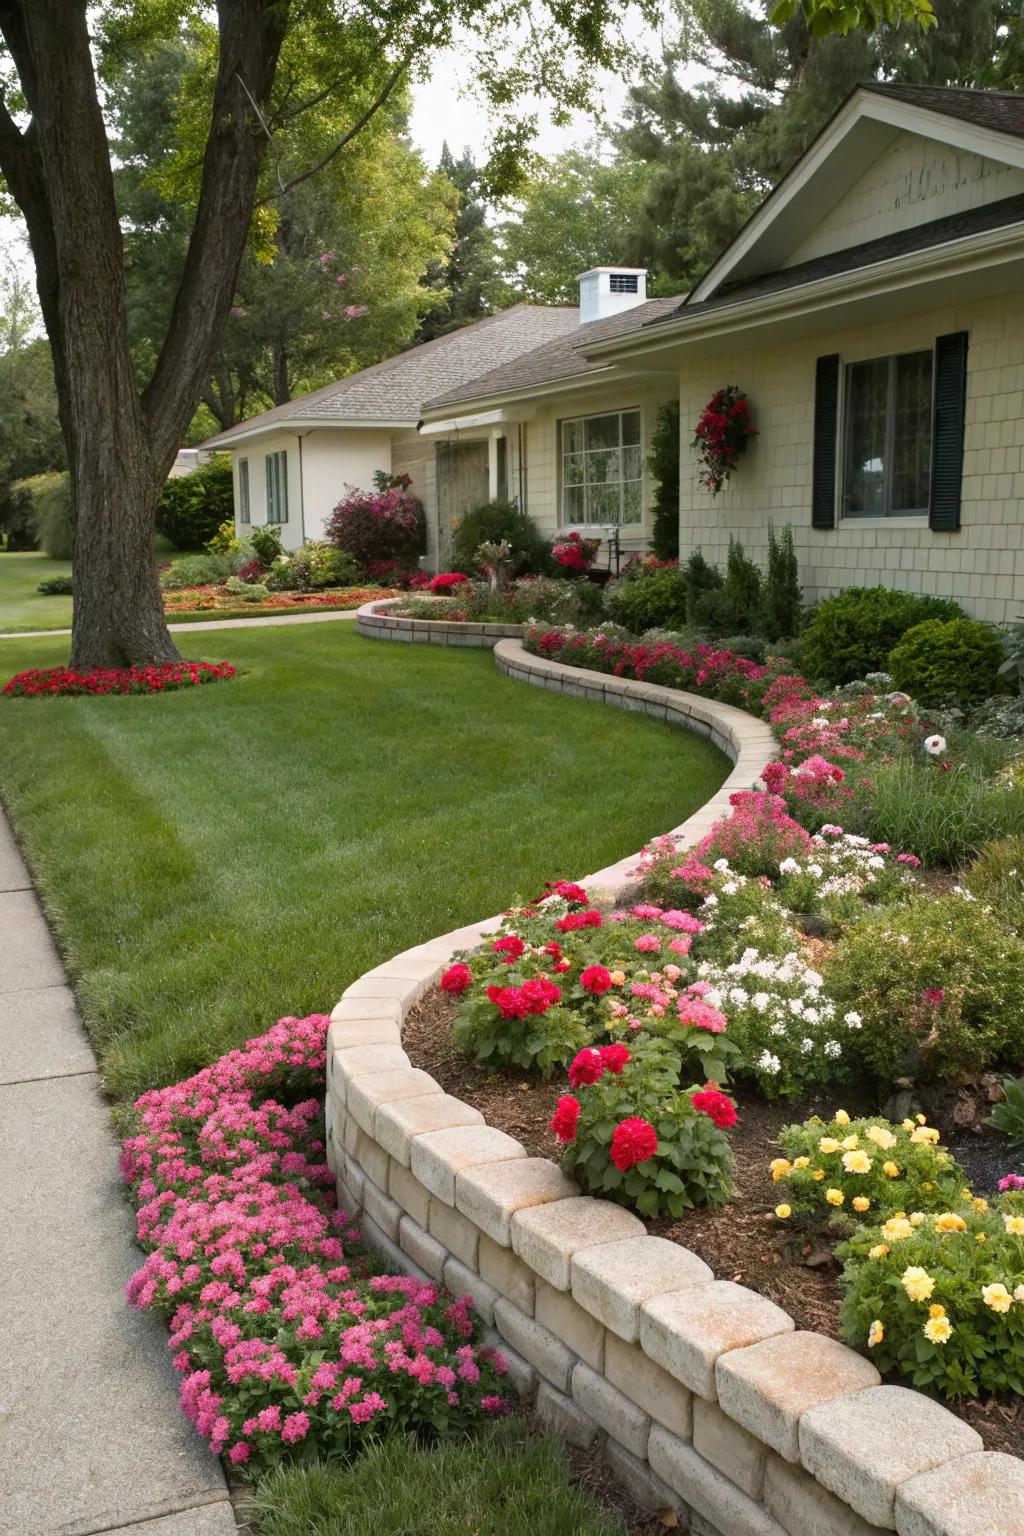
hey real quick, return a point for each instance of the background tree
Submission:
(277, 77)
(466, 281)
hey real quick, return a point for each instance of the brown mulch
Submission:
(741, 1241)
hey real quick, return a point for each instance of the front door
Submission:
(463, 484)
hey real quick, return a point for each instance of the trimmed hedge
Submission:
(192, 507)
(852, 633)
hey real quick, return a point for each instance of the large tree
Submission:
(55, 156)
(467, 278)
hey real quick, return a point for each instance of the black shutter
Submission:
(948, 431)
(826, 442)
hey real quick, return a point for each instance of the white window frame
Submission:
(277, 487)
(632, 527)
(244, 498)
(890, 517)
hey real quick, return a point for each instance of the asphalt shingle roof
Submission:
(1002, 111)
(394, 390)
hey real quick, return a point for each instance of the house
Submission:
(871, 311)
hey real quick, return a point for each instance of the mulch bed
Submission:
(741, 1241)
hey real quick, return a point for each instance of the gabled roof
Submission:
(562, 359)
(392, 393)
(987, 123)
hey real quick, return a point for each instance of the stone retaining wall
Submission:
(701, 1394)
(374, 621)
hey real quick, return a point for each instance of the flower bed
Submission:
(287, 1343)
(224, 600)
(56, 682)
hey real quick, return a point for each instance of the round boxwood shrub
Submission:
(852, 633)
(493, 522)
(649, 597)
(947, 659)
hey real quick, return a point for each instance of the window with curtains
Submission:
(887, 436)
(277, 487)
(243, 491)
(602, 470)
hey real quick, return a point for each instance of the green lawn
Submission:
(215, 859)
(21, 606)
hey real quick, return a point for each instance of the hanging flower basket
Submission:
(576, 553)
(722, 434)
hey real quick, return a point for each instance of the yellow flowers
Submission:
(834, 1196)
(801, 1162)
(896, 1229)
(850, 1143)
(842, 1118)
(908, 1125)
(861, 1203)
(915, 1218)
(997, 1297)
(936, 1311)
(979, 1204)
(856, 1162)
(618, 978)
(828, 1144)
(917, 1283)
(925, 1133)
(876, 1333)
(818, 1174)
(938, 1330)
(881, 1136)
(949, 1221)
(780, 1166)
(879, 1251)
(891, 1170)
(1014, 1225)
(783, 1212)
(979, 1237)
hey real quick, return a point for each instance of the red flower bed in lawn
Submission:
(67, 681)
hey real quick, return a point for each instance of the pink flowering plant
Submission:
(288, 1346)
(630, 1132)
(757, 835)
(384, 524)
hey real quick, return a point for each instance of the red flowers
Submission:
(510, 945)
(569, 892)
(575, 552)
(633, 1141)
(533, 997)
(573, 920)
(446, 581)
(716, 1105)
(586, 1068)
(721, 435)
(565, 1118)
(68, 681)
(596, 979)
(615, 1057)
(457, 978)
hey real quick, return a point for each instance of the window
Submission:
(243, 490)
(602, 472)
(277, 487)
(888, 436)
(623, 282)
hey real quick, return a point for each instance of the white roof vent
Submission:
(608, 291)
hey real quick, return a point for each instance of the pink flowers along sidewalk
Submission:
(287, 1343)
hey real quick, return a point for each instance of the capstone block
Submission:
(686, 1331)
(613, 1281)
(438, 1157)
(365, 1095)
(611, 1409)
(490, 1195)
(400, 1120)
(359, 1060)
(547, 1236)
(978, 1495)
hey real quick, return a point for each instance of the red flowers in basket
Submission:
(722, 434)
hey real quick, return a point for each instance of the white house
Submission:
(871, 310)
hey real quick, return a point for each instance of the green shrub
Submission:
(663, 464)
(753, 647)
(648, 597)
(933, 1299)
(312, 567)
(265, 539)
(247, 591)
(781, 607)
(938, 986)
(490, 524)
(193, 507)
(700, 577)
(48, 499)
(201, 571)
(736, 605)
(852, 633)
(947, 659)
(1008, 1115)
(945, 818)
(56, 586)
(997, 878)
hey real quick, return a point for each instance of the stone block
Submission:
(365, 1008)
(381, 1209)
(457, 1234)
(409, 1193)
(399, 1120)
(490, 1195)
(373, 1160)
(365, 1095)
(863, 1447)
(360, 1060)
(706, 1490)
(394, 1257)
(424, 1250)
(560, 1416)
(540, 1347)
(647, 1385)
(509, 1275)
(520, 1373)
(612, 1282)
(978, 1495)
(557, 1310)
(349, 1033)
(804, 1508)
(611, 1409)
(547, 1236)
(350, 1135)
(438, 1157)
(729, 1448)
(686, 1331)
(767, 1387)
(647, 1491)
(466, 1282)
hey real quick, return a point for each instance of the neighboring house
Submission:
(871, 310)
(186, 461)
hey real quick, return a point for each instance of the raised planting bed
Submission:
(377, 621)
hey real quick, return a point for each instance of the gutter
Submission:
(223, 444)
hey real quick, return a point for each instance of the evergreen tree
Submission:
(468, 279)
(664, 467)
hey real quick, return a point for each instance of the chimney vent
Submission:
(608, 291)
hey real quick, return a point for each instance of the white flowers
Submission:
(935, 745)
(789, 867)
(769, 1063)
(853, 1019)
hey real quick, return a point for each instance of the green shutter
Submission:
(826, 442)
(948, 432)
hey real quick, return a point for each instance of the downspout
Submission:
(302, 486)
(521, 467)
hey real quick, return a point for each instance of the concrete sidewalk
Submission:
(91, 1435)
(267, 620)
